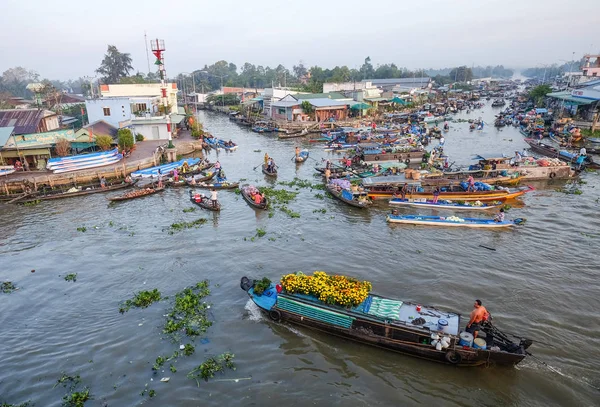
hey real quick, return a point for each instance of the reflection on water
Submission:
(534, 283)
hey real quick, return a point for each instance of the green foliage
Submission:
(176, 227)
(125, 138)
(26, 404)
(189, 311)
(115, 65)
(307, 107)
(261, 285)
(81, 229)
(7, 287)
(71, 277)
(260, 232)
(188, 349)
(32, 203)
(229, 99)
(188, 210)
(143, 299)
(104, 142)
(139, 137)
(77, 398)
(539, 93)
(211, 366)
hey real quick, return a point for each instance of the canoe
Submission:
(247, 196)
(483, 196)
(350, 198)
(452, 221)
(89, 189)
(136, 194)
(391, 324)
(269, 173)
(303, 156)
(443, 204)
(205, 202)
(594, 140)
(185, 181)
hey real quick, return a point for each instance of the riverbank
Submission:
(145, 155)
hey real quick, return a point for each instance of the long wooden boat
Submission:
(269, 173)
(90, 189)
(444, 204)
(136, 194)
(246, 194)
(387, 192)
(561, 143)
(452, 221)
(186, 181)
(204, 202)
(552, 152)
(390, 324)
(165, 169)
(411, 157)
(358, 200)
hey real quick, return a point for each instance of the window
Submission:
(140, 107)
(106, 111)
(281, 111)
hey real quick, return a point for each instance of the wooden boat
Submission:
(136, 194)
(479, 176)
(356, 199)
(204, 202)
(303, 156)
(220, 184)
(247, 195)
(552, 152)
(165, 169)
(90, 189)
(387, 192)
(444, 204)
(207, 176)
(272, 173)
(452, 221)
(390, 324)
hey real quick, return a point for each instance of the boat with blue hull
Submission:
(165, 169)
(446, 204)
(452, 221)
(302, 156)
(392, 324)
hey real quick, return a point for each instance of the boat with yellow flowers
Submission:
(345, 307)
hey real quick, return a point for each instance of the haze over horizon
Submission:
(65, 40)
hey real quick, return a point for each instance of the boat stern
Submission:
(266, 300)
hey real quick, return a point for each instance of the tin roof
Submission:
(24, 121)
(324, 102)
(5, 133)
(102, 128)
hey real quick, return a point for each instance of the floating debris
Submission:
(188, 210)
(176, 227)
(7, 287)
(211, 366)
(81, 229)
(143, 299)
(71, 277)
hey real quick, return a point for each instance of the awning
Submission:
(27, 153)
(399, 100)
(176, 118)
(360, 106)
(377, 99)
(567, 97)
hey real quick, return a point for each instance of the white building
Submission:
(274, 94)
(141, 90)
(339, 87)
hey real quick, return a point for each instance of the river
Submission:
(541, 282)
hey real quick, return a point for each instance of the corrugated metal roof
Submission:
(25, 121)
(286, 103)
(324, 102)
(329, 95)
(102, 128)
(5, 133)
(399, 81)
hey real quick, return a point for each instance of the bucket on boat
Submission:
(416, 175)
(479, 343)
(442, 325)
(466, 339)
(418, 308)
(408, 174)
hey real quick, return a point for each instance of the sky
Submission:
(66, 39)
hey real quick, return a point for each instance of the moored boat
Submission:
(138, 193)
(219, 184)
(453, 221)
(447, 204)
(354, 313)
(352, 198)
(47, 194)
(302, 156)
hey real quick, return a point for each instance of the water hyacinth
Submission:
(331, 289)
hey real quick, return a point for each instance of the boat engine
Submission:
(246, 283)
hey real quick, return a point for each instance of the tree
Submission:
(115, 65)
(15, 81)
(300, 70)
(125, 138)
(367, 70)
(62, 147)
(104, 142)
(307, 107)
(539, 93)
(461, 74)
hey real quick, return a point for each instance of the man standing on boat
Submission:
(478, 315)
(213, 197)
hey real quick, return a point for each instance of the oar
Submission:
(253, 169)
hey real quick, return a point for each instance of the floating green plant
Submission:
(188, 210)
(211, 366)
(81, 229)
(143, 299)
(71, 277)
(7, 287)
(176, 227)
(189, 311)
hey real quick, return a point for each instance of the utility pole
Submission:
(147, 55)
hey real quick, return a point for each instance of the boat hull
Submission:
(440, 205)
(439, 221)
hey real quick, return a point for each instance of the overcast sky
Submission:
(63, 39)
